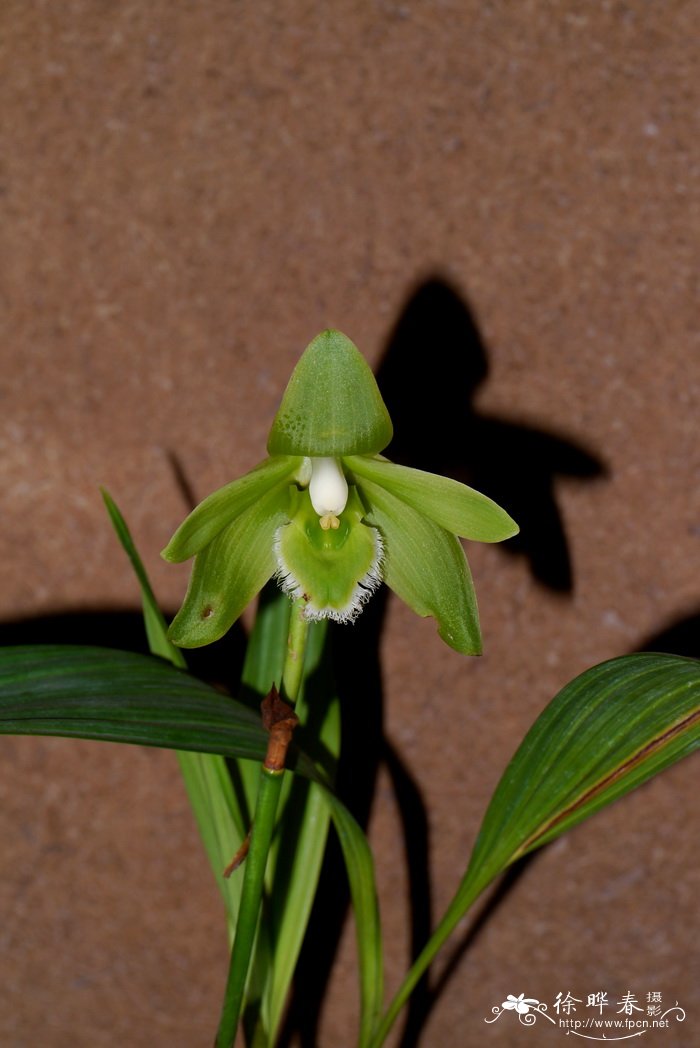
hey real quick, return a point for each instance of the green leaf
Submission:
(229, 572)
(295, 861)
(156, 629)
(222, 507)
(606, 732)
(359, 865)
(263, 665)
(452, 505)
(332, 405)
(426, 567)
(301, 842)
(118, 696)
(220, 819)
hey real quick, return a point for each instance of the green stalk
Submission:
(293, 670)
(260, 838)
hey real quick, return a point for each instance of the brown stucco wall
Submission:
(499, 204)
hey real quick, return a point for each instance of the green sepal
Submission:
(332, 405)
(229, 572)
(335, 571)
(426, 567)
(452, 505)
(223, 506)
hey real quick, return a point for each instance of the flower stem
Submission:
(293, 670)
(260, 839)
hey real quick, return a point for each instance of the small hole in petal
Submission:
(207, 611)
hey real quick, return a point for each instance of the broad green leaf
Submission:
(606, 732)
(332, 405)
(426, 567)
(221, 822)
(118, 696)
(229, 572)
(222, 507)
(452, 505)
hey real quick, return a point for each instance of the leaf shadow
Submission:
(680, 636)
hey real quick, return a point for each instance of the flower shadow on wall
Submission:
(516, 467)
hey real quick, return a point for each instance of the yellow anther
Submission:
(329, 520)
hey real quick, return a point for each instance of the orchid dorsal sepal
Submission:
(332, 405)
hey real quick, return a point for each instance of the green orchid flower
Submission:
(331, 518)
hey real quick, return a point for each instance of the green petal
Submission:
(229, 572)
(426, 567)
(223, 506)
(335, 571)
(332, 405)
(450, 504)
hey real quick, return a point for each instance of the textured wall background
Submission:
(504, 194)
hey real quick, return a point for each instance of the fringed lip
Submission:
(358, 591)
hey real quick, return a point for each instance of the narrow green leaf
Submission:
(426, 567)
(222, 507)
(294, 863)
(301, 842)
(219, 817)
(156, 629)
(332, 405)
(219, 820)
(452, 505)
(263, 666)
(359, 865)
(606, 732)
(229, 572)
(250, 904)
(267, 644)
